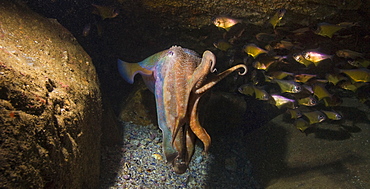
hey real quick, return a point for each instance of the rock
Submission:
(139, 107)
(50, 105)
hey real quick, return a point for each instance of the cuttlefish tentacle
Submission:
(198, 130)
(195, 126)
(219, 77)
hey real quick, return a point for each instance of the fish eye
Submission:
(313, 101)
(338, 116)
(297, 88)
(282, 11)
(296, 57)
(321, 117)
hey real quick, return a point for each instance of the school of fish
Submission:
(294, 69)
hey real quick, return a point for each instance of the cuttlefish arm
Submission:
(195, 126)
(206, 66)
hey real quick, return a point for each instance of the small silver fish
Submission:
(315, 56)
(225, 22)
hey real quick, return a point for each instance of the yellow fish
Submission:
(301, 124)
(283, 44)
(320, 91)
(294, 113)
(222, 45)
(280, 74)
(288, 86)
(280, 101)
(252, 50)
(275, 20)
(351, 86)
(225, 22)
(359, 63)
(334, 78)
(314, 116)
(332, 115)
(299, 58)
(358, 75)
(303, 78)
(308, 101)
(105, 11)
(262, 66)
(264, 62)
(246, 89)
(326, 29)
(345, 53)
(260, 94)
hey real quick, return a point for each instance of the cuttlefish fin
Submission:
(219, 77)
(129, 70)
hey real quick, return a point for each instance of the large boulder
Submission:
(50, 105)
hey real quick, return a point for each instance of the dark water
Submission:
(270, 147)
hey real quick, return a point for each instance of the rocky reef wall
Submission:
(50, 104)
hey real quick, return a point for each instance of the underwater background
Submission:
(299, 118)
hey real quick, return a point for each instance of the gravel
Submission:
(139, 163)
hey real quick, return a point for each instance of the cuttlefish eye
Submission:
(170, 53)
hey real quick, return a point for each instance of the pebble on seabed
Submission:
(157, 156)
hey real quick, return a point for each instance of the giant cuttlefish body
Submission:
(177, 76)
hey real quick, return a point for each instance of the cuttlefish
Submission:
(178, 78)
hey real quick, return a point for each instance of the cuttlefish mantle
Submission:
(177, 77)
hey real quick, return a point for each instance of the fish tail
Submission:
(129, 70)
